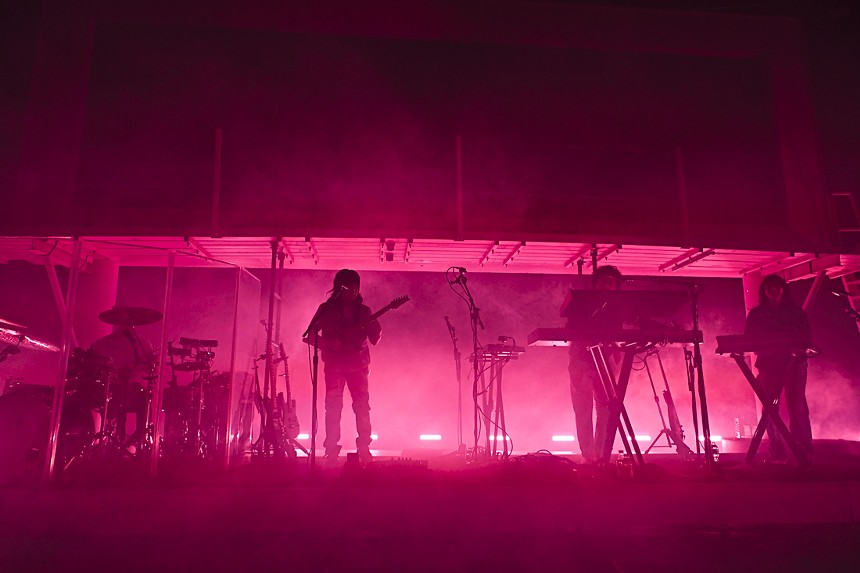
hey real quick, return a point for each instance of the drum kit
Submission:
(99, 395)
(195, 413)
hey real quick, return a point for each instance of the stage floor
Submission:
(536, 512)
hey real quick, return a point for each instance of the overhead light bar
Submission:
(515, 253)
(694, 259)
(485, 257)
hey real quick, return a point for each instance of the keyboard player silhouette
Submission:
(607, 315)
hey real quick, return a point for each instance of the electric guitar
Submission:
(675, 426)
(275, 430)
(331, 343)
(288, 406)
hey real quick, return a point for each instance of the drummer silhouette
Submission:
(130, 357)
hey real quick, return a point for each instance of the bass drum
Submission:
(25, 420)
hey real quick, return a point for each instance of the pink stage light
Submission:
(563, 438)
(304, 436)
(643, 438)
(714, 438)
(430, 437)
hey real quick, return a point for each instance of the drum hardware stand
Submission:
(106, 435)
(199, 446)
(148, 438)
(173, 386)
(675, 432)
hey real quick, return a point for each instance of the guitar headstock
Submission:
(398, 302)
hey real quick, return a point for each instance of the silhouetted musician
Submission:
(778, 330)
(595, 319)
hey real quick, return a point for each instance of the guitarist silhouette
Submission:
(347, 326)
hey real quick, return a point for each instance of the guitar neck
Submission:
(377, 314)
(396, 303)
(273, 377)
(286, 373)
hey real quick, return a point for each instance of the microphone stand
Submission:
(313, 332)
(695, 290)
(461, 447)
(475, 316)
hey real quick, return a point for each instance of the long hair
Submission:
(606, 271)
(341, 279)
(774, 280)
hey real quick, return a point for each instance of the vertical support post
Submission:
(230, 417)
(751, 284)
(682, 195)
(459, 152)
(60, 387)
(57, 290)
(159, 386)
(216, 186)
(814, 289)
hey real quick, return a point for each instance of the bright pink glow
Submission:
(714, 438)
(430, 437)
(304, 436)
(500, 438)
(643, 438)
(563, 438)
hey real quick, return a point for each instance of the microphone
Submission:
(840, 294)
(461, 277)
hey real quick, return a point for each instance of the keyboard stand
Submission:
(616, 393)
(770, 409)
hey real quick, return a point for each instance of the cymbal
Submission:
(130, 316)
(35, 344)
(9, 325)
(20, 340)
(13, 334)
